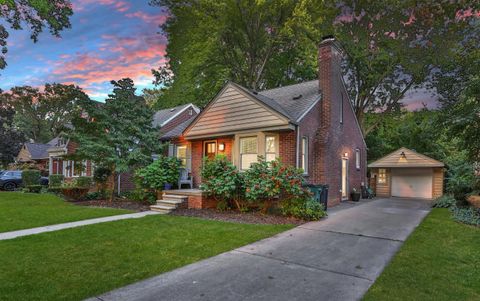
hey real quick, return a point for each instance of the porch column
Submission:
(50, 165)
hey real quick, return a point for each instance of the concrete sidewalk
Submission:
(32, 231)
(338, 258)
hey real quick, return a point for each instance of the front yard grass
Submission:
(29, 210)
(77, 263)
(439, 261)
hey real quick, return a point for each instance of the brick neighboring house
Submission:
(34, 153)
(311, 125)
(59, 148)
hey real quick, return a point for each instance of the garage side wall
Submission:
(383, 189)
(438, 175)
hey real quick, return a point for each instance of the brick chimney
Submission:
(329, 60)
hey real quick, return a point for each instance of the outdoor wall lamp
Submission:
(345, 155)
(221, 147)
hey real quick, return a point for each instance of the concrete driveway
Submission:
(337, 258)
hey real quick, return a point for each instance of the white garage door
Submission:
(412, 182)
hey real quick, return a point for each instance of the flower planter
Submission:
(167, 186)
(355, 196)
(474, 200)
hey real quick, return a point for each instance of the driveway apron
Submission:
(337, 258)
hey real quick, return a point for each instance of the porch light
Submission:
(221, 147)
(403, 156)
(345, 155)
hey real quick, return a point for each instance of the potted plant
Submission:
(355, 195)
(160, 174)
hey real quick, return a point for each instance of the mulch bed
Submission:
(237, 217)
(119, 204)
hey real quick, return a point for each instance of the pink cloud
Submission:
(120, 6)
(147, 18)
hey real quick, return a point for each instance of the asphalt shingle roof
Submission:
(38, 150)
(178, 130)
(163, 115)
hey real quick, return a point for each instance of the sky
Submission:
(109, 40)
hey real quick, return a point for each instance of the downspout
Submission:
(297, 151)
(118, 184)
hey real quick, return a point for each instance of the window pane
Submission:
(248, 145)
(305, 154)
(270, 157)
(182, 154)
(270, 144)
(247, 160)
(357, 158)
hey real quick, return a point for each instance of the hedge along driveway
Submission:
(27, 210)
(83, 262)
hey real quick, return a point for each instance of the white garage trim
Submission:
(412, 182)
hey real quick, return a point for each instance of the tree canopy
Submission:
(392, 46)
(118, 134)
(36, 15)
(42, 114)
(12, 139)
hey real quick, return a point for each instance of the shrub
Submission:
(466, 215)
(96, 195)
(302, 207)
(160, 172)
(461, 178)
(74, 193)
(83, 182)
(55, 190)
(265, 181)
(221, 180)
(55, 181)
(101, 174)
(140, 195)
(445, 201)
(34, 188)
(30, 177)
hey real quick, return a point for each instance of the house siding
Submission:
(182, 117)
(232, 110)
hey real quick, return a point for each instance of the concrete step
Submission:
(162, 209)
(170, 202)
(174, 197)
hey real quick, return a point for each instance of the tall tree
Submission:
(36, 15)
(43, 115)
(12, 139)
(392, 46)
(118, 134)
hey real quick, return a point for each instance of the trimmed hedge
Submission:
(83, 182)
(34, 188)
(30, 177)
(55, 181)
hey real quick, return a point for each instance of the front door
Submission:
(344, 179)
(210, 149)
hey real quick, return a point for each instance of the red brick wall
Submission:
(337, 138)
(287, 147)
(184, 116)
(197, 155)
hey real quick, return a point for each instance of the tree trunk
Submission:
(112, 194)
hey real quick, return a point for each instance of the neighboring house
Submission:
(172, 122)
(34, 153)
(59, 148)
(406, 173)
(311, 125)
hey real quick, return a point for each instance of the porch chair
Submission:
(184, 178)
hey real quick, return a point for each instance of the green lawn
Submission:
(439, 261)
(27, 210)
(82, 262)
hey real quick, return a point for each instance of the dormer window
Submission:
(190, 112)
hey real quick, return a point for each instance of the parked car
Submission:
(12, 179)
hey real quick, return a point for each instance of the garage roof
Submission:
(405, 157)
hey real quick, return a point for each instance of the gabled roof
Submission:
(37, 150)
(178, 130)
(162, 117)
(405, 157)
(292, 101)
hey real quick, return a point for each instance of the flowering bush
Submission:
(302, 207)
(163, 171)
(265, 181)
(221, 180)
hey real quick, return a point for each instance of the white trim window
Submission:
(382, 176)
(357, 159)
(248, 152)
(270, 148)
(304, 155)
(181, 154)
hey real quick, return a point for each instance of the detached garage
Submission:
(407, 174)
